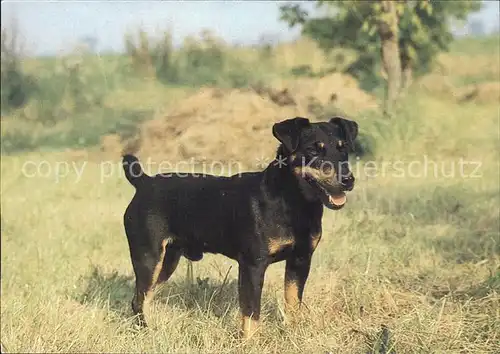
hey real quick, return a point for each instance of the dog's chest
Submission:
(296, 229)
(277, 245)
(284, 241)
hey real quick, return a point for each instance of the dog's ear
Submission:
(288, 131)
(349, 127)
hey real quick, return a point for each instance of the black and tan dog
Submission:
(254, 218)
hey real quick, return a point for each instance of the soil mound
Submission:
(235, 125)
(216, 125)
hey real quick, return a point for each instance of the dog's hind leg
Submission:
(170, 262)
(147, 267)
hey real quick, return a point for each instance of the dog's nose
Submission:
(348, 181)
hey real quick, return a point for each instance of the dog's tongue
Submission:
(338, 200)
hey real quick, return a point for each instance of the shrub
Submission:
(62, 90)
(203, 60)
(139, 50)
(16, 86)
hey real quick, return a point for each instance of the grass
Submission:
(121, 112)
(407, 258)
(75, 133)
(410, 265)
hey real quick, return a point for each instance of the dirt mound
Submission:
(235, 125)
(111, 143)
(488, 92)
(337, 89)
(215, 125)
(435, 84)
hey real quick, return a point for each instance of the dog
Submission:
(254, 218)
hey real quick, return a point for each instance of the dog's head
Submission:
(317, 153)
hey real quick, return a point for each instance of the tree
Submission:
(402, 37)
(386, 18)
(16, 86)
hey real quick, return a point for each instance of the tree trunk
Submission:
(388, 31)
(407, 78)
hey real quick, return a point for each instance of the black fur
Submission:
(255, 219)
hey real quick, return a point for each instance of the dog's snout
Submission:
(348, 181)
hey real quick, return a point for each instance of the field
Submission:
(410, 265)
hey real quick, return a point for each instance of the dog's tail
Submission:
(133, 170)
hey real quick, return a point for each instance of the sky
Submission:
(49, 27)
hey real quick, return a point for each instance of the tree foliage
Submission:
(424, 30)
(16, 86)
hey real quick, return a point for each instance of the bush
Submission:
(83, 129)
(139, 50)
(57, 92)
(65, 89)
(302, 70)
(16, 86)
(200, 61)
(162, 59)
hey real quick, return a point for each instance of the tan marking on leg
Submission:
(315, 240)
(157, 270)
(248, 326)
(291, 295)
(276, 245)
(144, 291)
(292, 303)
(170, 262)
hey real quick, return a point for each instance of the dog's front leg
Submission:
(250, 283)
(296, 273)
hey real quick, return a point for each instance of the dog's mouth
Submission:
(338, 200)
(332, 199)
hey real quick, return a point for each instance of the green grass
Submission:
(120, 112)
(485, 45)
(472, 80)
(418, 259)
(419, 255)
(84, 130)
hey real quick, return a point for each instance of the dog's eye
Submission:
(320, 147)
(316, 149)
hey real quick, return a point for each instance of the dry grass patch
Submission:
(67, 281)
